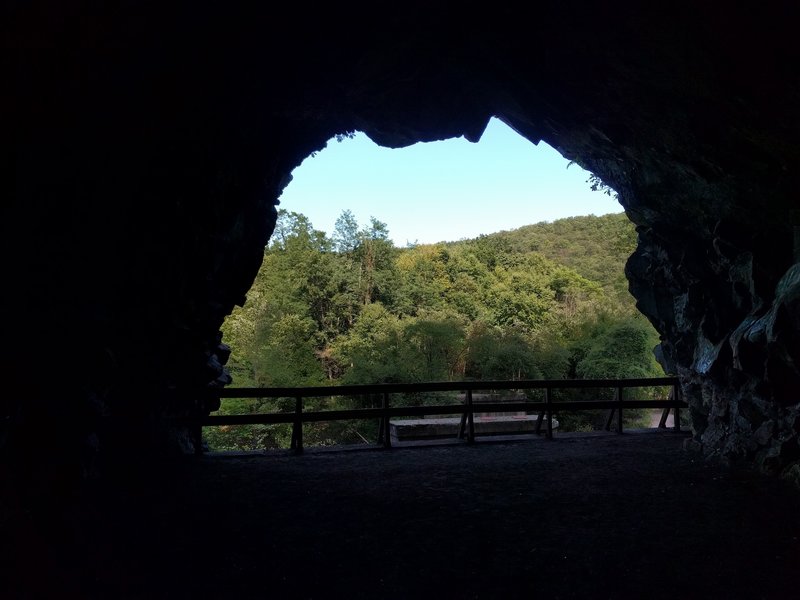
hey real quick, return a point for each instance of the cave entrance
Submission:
(440, 261)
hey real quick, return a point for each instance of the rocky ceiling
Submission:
(145, 144)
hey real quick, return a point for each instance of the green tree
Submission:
(433, 347)
(370, 352)
(613, 349)
(620, 350)
(346, 235)
(287, 355)
(495, 353)
(376, 254)
(518, 298)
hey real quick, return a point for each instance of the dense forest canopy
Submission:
(543, 301)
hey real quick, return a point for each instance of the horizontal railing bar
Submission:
(272, 418)
(251, 419)
(484, 407)
(334, 415)
(438, 386)
(410, 411)
(341, 415)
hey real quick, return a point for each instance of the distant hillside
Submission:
(596, 247)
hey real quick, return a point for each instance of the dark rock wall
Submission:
(146, 147)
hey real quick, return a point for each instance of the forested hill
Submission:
(595, 247)
(352, 307)
(543, 301)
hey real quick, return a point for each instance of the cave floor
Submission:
(594, 516)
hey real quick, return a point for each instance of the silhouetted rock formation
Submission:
(145, 149)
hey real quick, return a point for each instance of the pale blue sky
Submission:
(443, 191)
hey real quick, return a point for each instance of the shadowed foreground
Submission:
(605, 516)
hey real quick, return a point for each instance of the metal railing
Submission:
(466, 409)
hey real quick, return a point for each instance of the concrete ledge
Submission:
(447, 427)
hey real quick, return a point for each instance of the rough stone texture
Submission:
(146, 146)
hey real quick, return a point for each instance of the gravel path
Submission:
(583, 516)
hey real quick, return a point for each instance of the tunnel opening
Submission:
(144, 152)
(692, 127)
(519, 276)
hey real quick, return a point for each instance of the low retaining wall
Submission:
(438, 428)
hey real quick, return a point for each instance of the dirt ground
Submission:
(583, 516)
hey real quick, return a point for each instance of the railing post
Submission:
(548, 402)
(197, 433)
(462, 424)
(676, 395)
(619, 409)
(662, 422)
(297, 426)
(387, 431)
(470, 419)
(539, 419)
(610, 418)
